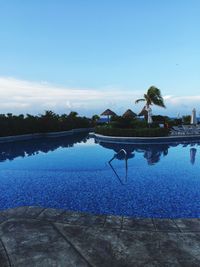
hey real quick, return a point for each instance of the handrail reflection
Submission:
(152, 152)
(120, 180)
(121, 155)
(193, 152)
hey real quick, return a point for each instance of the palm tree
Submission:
(73, 114)
(152, 97)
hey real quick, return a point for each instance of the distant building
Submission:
(103, 120)
(108, 113)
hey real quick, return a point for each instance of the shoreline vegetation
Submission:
(13, 125)
(135, 127)
(141, 132)
(16, 125)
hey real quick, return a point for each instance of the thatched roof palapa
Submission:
(108, 112)
(129, 114)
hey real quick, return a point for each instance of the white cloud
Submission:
(26, 96)
(15, 105)
(184, 99)
(182, 104)
(166, 97)
(21, 96)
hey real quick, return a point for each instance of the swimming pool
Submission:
(74, 173)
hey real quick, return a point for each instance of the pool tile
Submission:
(165, 225)
(33, 211)
(91, 220)
(15, 212)
(50, 214)
(23, 212)
(81, 219)
(37, 243)
(188, 225)
(69, 217)
(2, 218)
(137, 224)
(113, 222)
(114, 247)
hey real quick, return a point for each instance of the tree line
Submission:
(48, 122)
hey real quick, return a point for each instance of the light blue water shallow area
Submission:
(73, 173)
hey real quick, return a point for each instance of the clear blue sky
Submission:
(122, 45)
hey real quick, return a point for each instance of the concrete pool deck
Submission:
(34, 236)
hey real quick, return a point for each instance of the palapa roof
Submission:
(129, 114)
(108, 112)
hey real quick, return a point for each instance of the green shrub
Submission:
(160, 118)
(120, 122)
(138, 132)
(187, 119)
(139, 124)
(48, 122)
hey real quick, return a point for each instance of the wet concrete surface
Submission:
(34, 236)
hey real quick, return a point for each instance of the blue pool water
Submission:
(73, 173)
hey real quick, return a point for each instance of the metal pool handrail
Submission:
(121, 150)
(126, 164)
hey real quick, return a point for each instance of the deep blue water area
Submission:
(74, 173)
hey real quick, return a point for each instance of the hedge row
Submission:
(48, 122)
(140, 132)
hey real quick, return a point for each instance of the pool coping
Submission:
(80, 218)
(37, 236)
(145, 140)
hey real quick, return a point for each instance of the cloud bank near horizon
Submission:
(21, 96)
